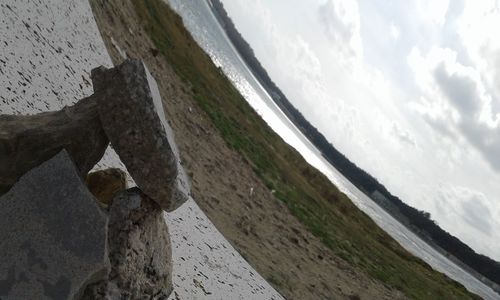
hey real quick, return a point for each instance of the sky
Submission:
(408, 90)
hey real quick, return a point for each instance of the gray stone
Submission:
(27, 141)
(53, 234)
(132, 116)
(139, 251)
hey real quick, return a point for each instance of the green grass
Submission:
(309, 195)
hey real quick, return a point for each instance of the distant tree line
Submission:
(419, 221)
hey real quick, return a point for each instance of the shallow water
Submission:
(204, 27)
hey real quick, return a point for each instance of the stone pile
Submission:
(57, 240)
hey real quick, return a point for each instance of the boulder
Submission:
(104, 184)
(27, 141)
(53, 237)
(139, 251)
(132, 115)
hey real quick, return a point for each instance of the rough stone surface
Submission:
(139, 251)
(104, 184)
(53, 234)
(27, 141)
(133, 118)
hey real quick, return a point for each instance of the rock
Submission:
(27, 141)
(139, 251)
(53, 234)
(104, 184)
(126, 108)
(132, 116)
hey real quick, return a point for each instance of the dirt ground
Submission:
(257, 224)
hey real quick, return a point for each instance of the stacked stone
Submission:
(57, 240)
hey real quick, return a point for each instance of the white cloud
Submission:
(458, 206)
(341, 24)
(433, 11)
(459, 102)
(402, 135)
(306, 64)
(478, 30)
(394, 31)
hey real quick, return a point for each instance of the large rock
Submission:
(27, 141)
(52, 234)
(132, 116)
(139, 251)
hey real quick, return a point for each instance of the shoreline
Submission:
(412, 219)
(384, 204)
(259, 226)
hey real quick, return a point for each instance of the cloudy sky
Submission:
(408, 90)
